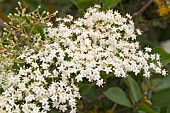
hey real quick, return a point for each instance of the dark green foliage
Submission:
(85, 88)
(133, 89)
(118, 96)
(162, 98)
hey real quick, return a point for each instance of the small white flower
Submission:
(29, 98)
(148, 49)
(49, 24)
(138, 32)
(100, 82)
(129, 16)
(164, 72)
(45, 65)
(63, 108)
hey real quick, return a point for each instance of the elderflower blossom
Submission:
(98, 42)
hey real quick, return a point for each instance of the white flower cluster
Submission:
(25, 93)
(102, 41)
(73, 51)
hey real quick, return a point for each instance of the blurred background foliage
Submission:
(145, 95)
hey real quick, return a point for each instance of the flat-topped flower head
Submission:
(73, 51)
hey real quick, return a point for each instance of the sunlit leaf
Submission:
(146, 108)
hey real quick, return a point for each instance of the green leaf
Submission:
(146, 108)
(54, 111)
(133, 88)
(168, 109)
(34, 29)
(93, 94)
(118, 96)
(85, 88)
(106, 103)
(75, 3)
(79, 104)
(156, 109)
(84, 4)
(39, 29)
(162, 98)
(107, 4)
(165, 84)
(165, 57)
